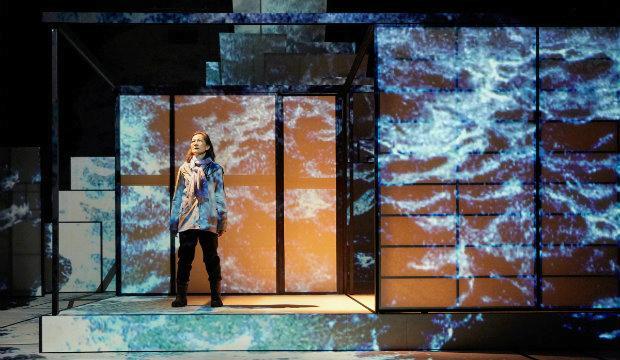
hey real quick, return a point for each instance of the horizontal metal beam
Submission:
(493, 18)
(240, 89)
(248, 18)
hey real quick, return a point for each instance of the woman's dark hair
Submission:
(210, 153)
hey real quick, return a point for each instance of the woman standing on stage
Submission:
(198, 214)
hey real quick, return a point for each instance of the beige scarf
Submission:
(197, 176)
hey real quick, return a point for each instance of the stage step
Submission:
(149, 324)
(201, 332)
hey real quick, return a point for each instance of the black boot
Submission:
(181, 299)
(216, 299)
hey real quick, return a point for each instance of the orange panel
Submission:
(310, 240)
(493, 168)
(576, 199)
(483, 230)
(435, 230)
(578, 291)
(397, 171)
(576, 73)
(241, 130)
(418, 199)
(397, 293)
(596, 260)
(261, 259)
(310, 194)
(557, 229)
(415, 106)
(579, 167)
(507, 135)
(240, 127)
(486, 199)
(417, 262)
(563, 136)
(420, 74)
(309, 137)
(502, 261)
(497, 292)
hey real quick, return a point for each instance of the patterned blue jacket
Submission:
(205, 211)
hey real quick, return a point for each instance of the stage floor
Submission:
(233, 304)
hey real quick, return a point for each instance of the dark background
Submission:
(87, 126)
(25, 53)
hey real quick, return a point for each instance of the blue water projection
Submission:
(145, 239)
(144, 152)
(80, 247)
(91, 206)
(463, 113)
(580, 87)
(92, 173)
(468, 93)
(144, 127)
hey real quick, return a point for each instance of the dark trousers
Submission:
(187, 250)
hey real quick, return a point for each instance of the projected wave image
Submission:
(310, 193)
(144, 130)
(145, 239)
(456, 137)
(241, 129)
(580, 73)
(456, 157)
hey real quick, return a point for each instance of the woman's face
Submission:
(199, 145)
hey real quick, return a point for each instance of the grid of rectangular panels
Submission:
(580, 83)
(456, 166)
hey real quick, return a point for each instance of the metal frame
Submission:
(377, 114)
(537, 176)
(279, 93)
(171, 189)
(410, 18)
(279, 134)
(55, 122)
(117, 198)
(445, 19)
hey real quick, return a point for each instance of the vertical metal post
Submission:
(117, 197)
(279, 133)
(172, 188)
(341, 190)
(457, 196)
(350, 259)
(377, 187)
(44, 216)
(55, 167)
(537, 174)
